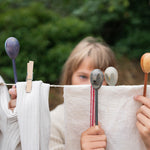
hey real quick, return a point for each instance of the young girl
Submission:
(89, 54)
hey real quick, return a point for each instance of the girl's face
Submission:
(82, 74)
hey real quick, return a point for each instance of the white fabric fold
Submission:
(117, 114)
(33, 116)
(28, 127)
(9, 131)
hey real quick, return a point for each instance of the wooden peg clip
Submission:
(29, 76)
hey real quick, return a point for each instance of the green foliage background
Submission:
(49, 29)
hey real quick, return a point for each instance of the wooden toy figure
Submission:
(12, 49)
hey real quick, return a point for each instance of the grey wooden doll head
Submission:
(96, 78)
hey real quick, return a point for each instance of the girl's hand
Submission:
(93, 138)
(13, 96)
(143, 119)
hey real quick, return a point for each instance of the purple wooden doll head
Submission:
(12, 47)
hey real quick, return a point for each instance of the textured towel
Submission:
(117, 114)
(28, 127)
(33, 116)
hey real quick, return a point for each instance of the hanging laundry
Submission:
(117, 114)
(33, 116)
(28, 127)
(9, 130)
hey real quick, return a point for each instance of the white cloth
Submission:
(117, 114)
(33, 116)
(29, 124)
(9, 130)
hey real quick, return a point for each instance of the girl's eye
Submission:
(83, 76)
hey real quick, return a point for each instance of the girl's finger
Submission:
(95, 130)
(143, 120)
(144, 110)
(99, 149)
(143, 100)
(12, 103)
(13, 93)
(140, 127)
(92, 138)
(100, 144)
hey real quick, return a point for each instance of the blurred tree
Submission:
(44, 36)
(124, 24)
(135, 41)
(47, 29)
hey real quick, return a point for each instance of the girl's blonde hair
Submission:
(102, 57)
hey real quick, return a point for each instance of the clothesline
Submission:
(8, 84)
(1, 84)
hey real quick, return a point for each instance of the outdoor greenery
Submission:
(49, 29)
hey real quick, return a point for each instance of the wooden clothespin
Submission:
(29, 76)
